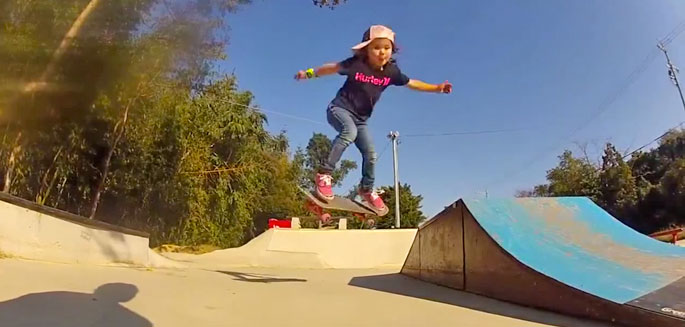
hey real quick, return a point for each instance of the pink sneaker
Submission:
(372, 198)
(324, 186)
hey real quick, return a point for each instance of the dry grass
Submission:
(194, 249)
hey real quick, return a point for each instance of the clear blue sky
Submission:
(544, 66)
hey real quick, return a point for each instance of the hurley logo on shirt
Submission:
(361, 77)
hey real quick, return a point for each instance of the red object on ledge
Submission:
(673, 233)
(279, 223)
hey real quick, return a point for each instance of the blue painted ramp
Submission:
(562, 254)
(577, 243)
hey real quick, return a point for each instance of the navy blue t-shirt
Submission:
(364, 85)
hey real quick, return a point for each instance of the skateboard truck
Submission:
(318, 211)
(319, 207)
(325, 217)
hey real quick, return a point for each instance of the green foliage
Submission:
(118, 111)
(190, 163)
(672, 189)
(313, 157)
(646, 192)
(328, 3)
(573, 176)
(618, 193)
(410, 207)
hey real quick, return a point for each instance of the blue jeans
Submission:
(351, 129)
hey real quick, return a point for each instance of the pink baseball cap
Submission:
(376, 32)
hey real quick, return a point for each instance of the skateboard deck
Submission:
(343, 204)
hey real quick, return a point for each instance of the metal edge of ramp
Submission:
(488, 269)
(668, 300)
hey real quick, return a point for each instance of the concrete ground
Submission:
(44, 294)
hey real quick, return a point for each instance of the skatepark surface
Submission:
(47, 294)
(527, 262)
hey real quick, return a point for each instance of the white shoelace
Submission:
(326, 179)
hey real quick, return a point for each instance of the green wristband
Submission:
(310, 73)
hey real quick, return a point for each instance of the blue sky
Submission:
(541, 67)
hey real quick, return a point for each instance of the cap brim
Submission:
(361, 45)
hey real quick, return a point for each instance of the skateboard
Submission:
(319, 207)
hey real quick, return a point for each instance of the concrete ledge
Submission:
(314, 249)
(68, 216)
(348, 249)
(34, 234)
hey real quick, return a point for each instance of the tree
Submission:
(328, 3)
(134, 127)
(573, 176)
(655, 174)
(410, 207)
(672, 187)
(281, 197)
(646, 193)
(315, 155)
(617, 191)
(537, 191)
(650, 167)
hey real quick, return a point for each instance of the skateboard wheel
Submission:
(325, 217)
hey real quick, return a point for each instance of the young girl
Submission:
(369, 72)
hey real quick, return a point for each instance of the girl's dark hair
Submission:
(362, 53)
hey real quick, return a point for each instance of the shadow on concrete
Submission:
(73, 309)
(106, 245)
(256, 278)
(407, 286)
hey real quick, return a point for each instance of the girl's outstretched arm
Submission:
(418, 85)
(323, 70)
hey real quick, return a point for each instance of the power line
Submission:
(384, 149)
(275, 112)
(654, 140)
(408, 135)
(294, 117)
(604, 105)
(675, 32)
(493, 131)
(298, 118)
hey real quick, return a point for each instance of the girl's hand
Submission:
(445, 87)
(301, 75)
(418, 85)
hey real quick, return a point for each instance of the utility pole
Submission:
(393, 136)
(672, 72)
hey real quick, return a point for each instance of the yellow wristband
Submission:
(310, 73)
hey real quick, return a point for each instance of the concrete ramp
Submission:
(313, 249)
(562, 254)
(32, 231)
